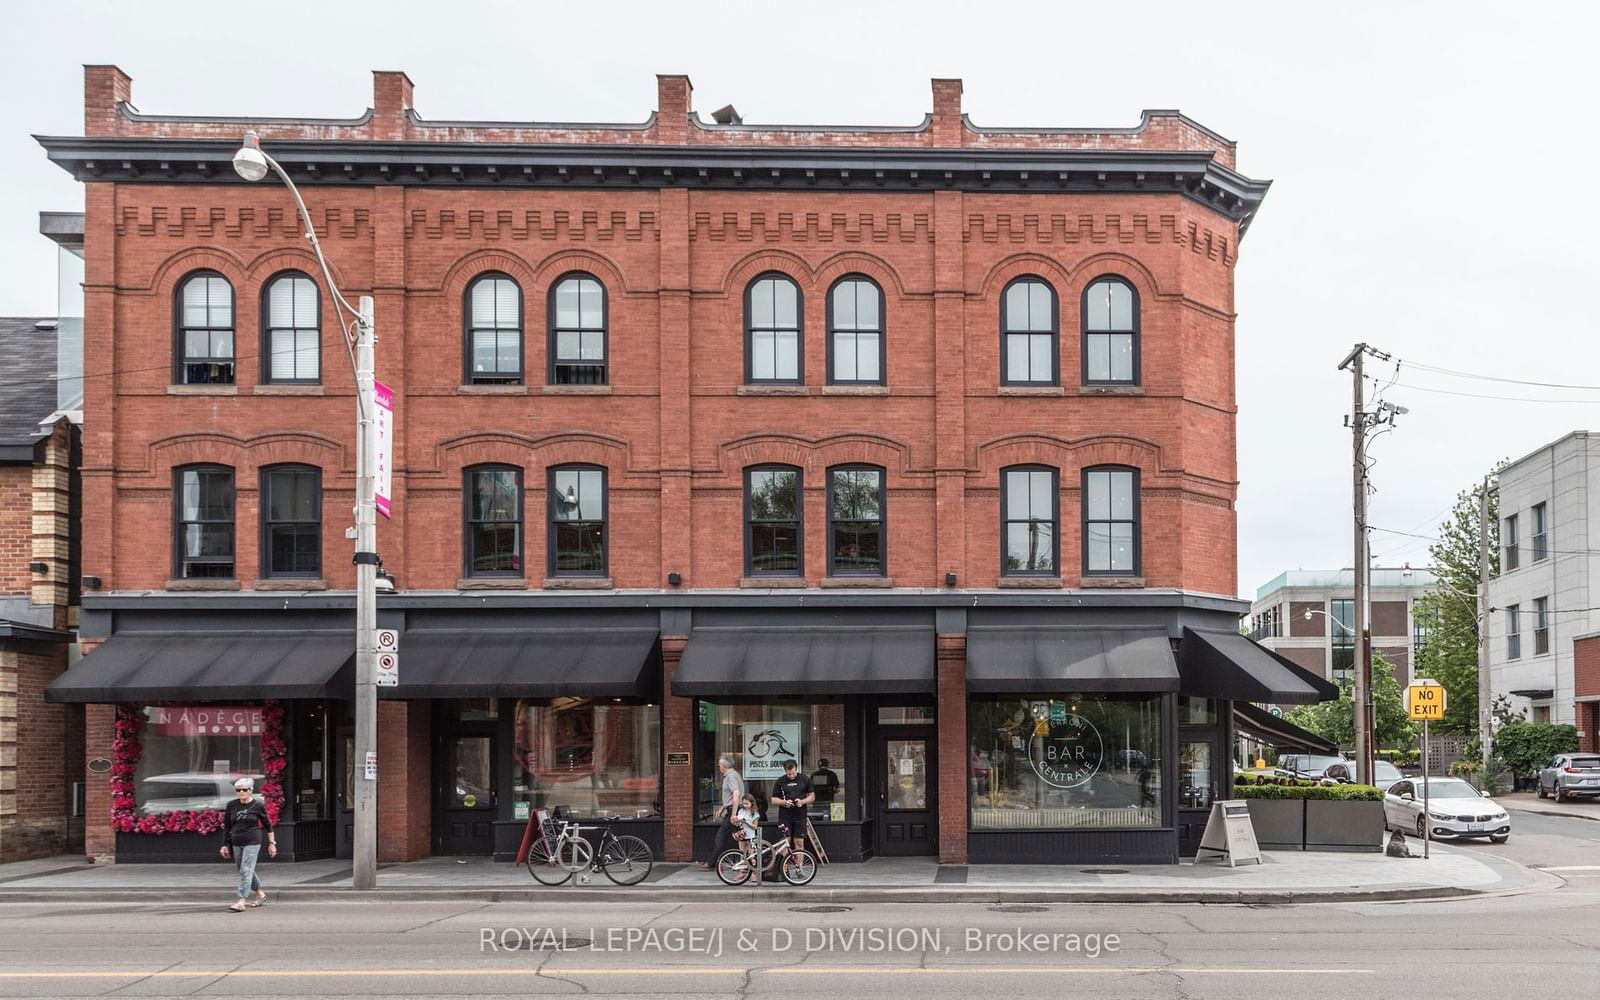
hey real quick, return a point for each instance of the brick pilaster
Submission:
(952, 713)
(405, 777)
(677, 736)
(99, 840)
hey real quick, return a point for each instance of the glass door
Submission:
(464, 779)
(908, 818)
(1202, 768)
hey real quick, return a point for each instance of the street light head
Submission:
(1308, 614)
(250, 162)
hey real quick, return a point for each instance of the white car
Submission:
(1455, 810)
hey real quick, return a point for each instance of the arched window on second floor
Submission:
(1110, 332)
(1111, 521)
(291, 521)
(202, 522)
(493, 330)
(579, 324)
(203, 314)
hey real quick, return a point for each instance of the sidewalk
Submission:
(1285, 876)
(1530, 803)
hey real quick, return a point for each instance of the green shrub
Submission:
(1334, 793)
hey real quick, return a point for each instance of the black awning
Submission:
(1023, 660)
(527, 663)
(172, 666)
(854, 659)
(1260, 724)
(1228, 665)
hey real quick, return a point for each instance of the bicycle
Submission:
(563, 851)
(798, 867)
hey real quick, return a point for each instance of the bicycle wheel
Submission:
(733, 868)
(799, 868)
(543, 867)
(627, 860)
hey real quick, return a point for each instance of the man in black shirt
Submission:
(792, 793)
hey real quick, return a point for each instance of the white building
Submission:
(1541, 601)
(1309, 617)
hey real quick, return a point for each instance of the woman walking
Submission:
(243, 823)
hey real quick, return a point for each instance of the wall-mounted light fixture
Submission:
(90, 582)
(38, 567)
(949, 579)
(673, 579)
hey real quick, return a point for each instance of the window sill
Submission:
(1111, 390)
(1029, 582)
(771, 582)
(771, 390)
(287, 390)
(492, 583)
(202, 585)
(855, 390)
(1031, 390)
(290, 583)
(578, 583)
(875, 582)
(491, 390)
(202, 390)
(1111, 582)
(575, 390)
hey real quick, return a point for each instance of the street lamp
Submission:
(251, 163)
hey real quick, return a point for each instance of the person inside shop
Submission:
(242, 825)
(732, 795)
(825, 780)
(793, 792)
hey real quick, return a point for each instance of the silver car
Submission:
(1454, 809)
(1384, 773)
(1570, 775)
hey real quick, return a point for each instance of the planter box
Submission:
(1344, 826)
(1280, 824)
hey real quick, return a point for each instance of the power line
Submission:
(1493, 378)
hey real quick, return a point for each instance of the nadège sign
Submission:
(207, 720)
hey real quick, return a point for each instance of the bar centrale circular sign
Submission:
(1066, 749)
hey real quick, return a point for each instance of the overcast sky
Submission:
(1427, 193)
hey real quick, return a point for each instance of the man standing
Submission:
(793, 792)
(732, 793)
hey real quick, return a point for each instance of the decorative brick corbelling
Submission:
(815, 456)
(533, 454)
(1068, 455)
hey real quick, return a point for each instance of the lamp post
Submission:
(252, 164)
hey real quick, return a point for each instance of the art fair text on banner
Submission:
(384, 458)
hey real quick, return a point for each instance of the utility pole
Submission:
(1363, 662)
(1485, 689)
(364, 856)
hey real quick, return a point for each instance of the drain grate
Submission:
(1017, 908)
(1105, 871)
(819, 909)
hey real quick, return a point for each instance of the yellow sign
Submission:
(1425, 701)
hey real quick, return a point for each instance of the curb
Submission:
(1551, 812)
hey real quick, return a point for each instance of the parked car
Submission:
(1384, 773)
(1570, 775)
(190, 790)
(1307, 765)
(1455, 810)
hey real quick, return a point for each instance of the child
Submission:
(749, 833)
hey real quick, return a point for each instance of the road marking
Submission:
(988, 970)
(1571, 868)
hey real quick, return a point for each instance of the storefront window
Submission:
(908, 715)
(596, 758)
(1065, 763)
(758, 739)
(190, 756)
(1196, 711)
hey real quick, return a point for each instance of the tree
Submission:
(1335, 720)
(1450, 613)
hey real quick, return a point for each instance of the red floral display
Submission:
(126, 751)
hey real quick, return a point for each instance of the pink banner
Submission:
(384, 433)
(207, 720)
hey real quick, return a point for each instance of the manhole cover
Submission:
(1105, 871)
(819, 909)
(1017, 908)
(554, 942)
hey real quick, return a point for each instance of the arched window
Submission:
(494, 331)
(291, 521)
(578, 520)
(773, 351)
(291, 330)
(202, 515)
(1111, 521)
(773, 521)
(857, 539)
(579, 322)
(855, 332)
(1029, 324)
(493, 544)
(1110, 333)
(1029, 515)
(203, 311)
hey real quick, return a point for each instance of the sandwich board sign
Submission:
(1229, 834)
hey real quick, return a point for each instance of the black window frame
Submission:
(1341, 639)
(551, 522)
(468, 551)
(468, 377)
(554, 363)
(1540, 538)
(1137, 520)
(882, 332)
(267, 353)
(883, 521)
(750, 522)
(1514, 631)
(267, 522)
(1054, 332)
(750, 331)
(1512, 558)
(1086, 333)
(1541, 626)
(180, 355)
(1006, 521)
(179, 522)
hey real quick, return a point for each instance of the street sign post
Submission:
(1425, 701)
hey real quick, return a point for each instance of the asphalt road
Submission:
(1551, 842)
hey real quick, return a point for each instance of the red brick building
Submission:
(908, 449)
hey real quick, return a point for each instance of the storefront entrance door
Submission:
(908, 815)
(464, 786)
(344, 777)
(1203, 767)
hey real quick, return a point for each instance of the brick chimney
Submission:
(391, 99)
(674, 101)
(947, 130)
(104, 87)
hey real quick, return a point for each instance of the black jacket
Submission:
(244, 821)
